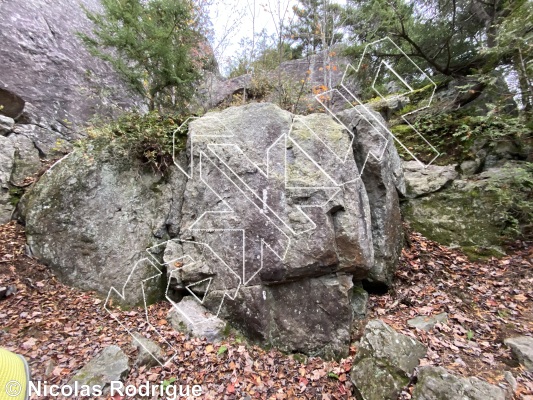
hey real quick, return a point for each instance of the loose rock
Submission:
(522, 348)
(384, 362)
(110, 365)
(436, 383)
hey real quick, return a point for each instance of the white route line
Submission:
(257, 200)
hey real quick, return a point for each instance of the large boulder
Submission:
(92, 217)
(274, 214)
(384, 362)
(382, 174)
(45, 63)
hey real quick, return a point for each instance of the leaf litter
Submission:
(58, 328)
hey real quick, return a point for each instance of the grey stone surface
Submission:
(382, 174)
(109, 365)
(7, 160)
(522, 348)
(359, 301)
(283, 315)
(195, 319)
(286, 218)
(384, 362)
(92, 217)
(421, 181)
(436, 383)
(149, 352)
(6, 125)
(426, 323)
(44, 63)
(467, 213)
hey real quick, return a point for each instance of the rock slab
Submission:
(45, 63)
(190, 316)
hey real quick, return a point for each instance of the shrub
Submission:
(151, 138)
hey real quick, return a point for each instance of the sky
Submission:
(234, 20)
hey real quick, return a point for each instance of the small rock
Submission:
(426, 323)
(196, 319)
(522, 348)
(110, 365)
(6, 125)
(150, 353)
(421, 181)
(510, 379)
(470, 167)
(436, 383)
(384, 362)
(6, 291)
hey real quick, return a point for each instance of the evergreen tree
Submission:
(151, 44)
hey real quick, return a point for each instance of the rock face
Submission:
(436, 383)
(271, 217)
(108, 366)
(7, 158)
(91, 219)
(384, 362)
(382, 175)
(45, 64)
(472, 212)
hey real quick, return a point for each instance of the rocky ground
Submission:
(58, 329)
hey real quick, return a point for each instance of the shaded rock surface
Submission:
(384, 362)
(436, 383)
(382, 174)
(44, 63)
(91, 219)
(110, 365)
(522, 348)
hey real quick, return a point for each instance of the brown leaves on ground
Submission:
(486, 302)
(58, 329)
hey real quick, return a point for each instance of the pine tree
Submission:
(150, 43)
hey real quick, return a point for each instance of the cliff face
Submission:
(44, 62)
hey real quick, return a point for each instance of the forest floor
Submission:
(58, 328)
